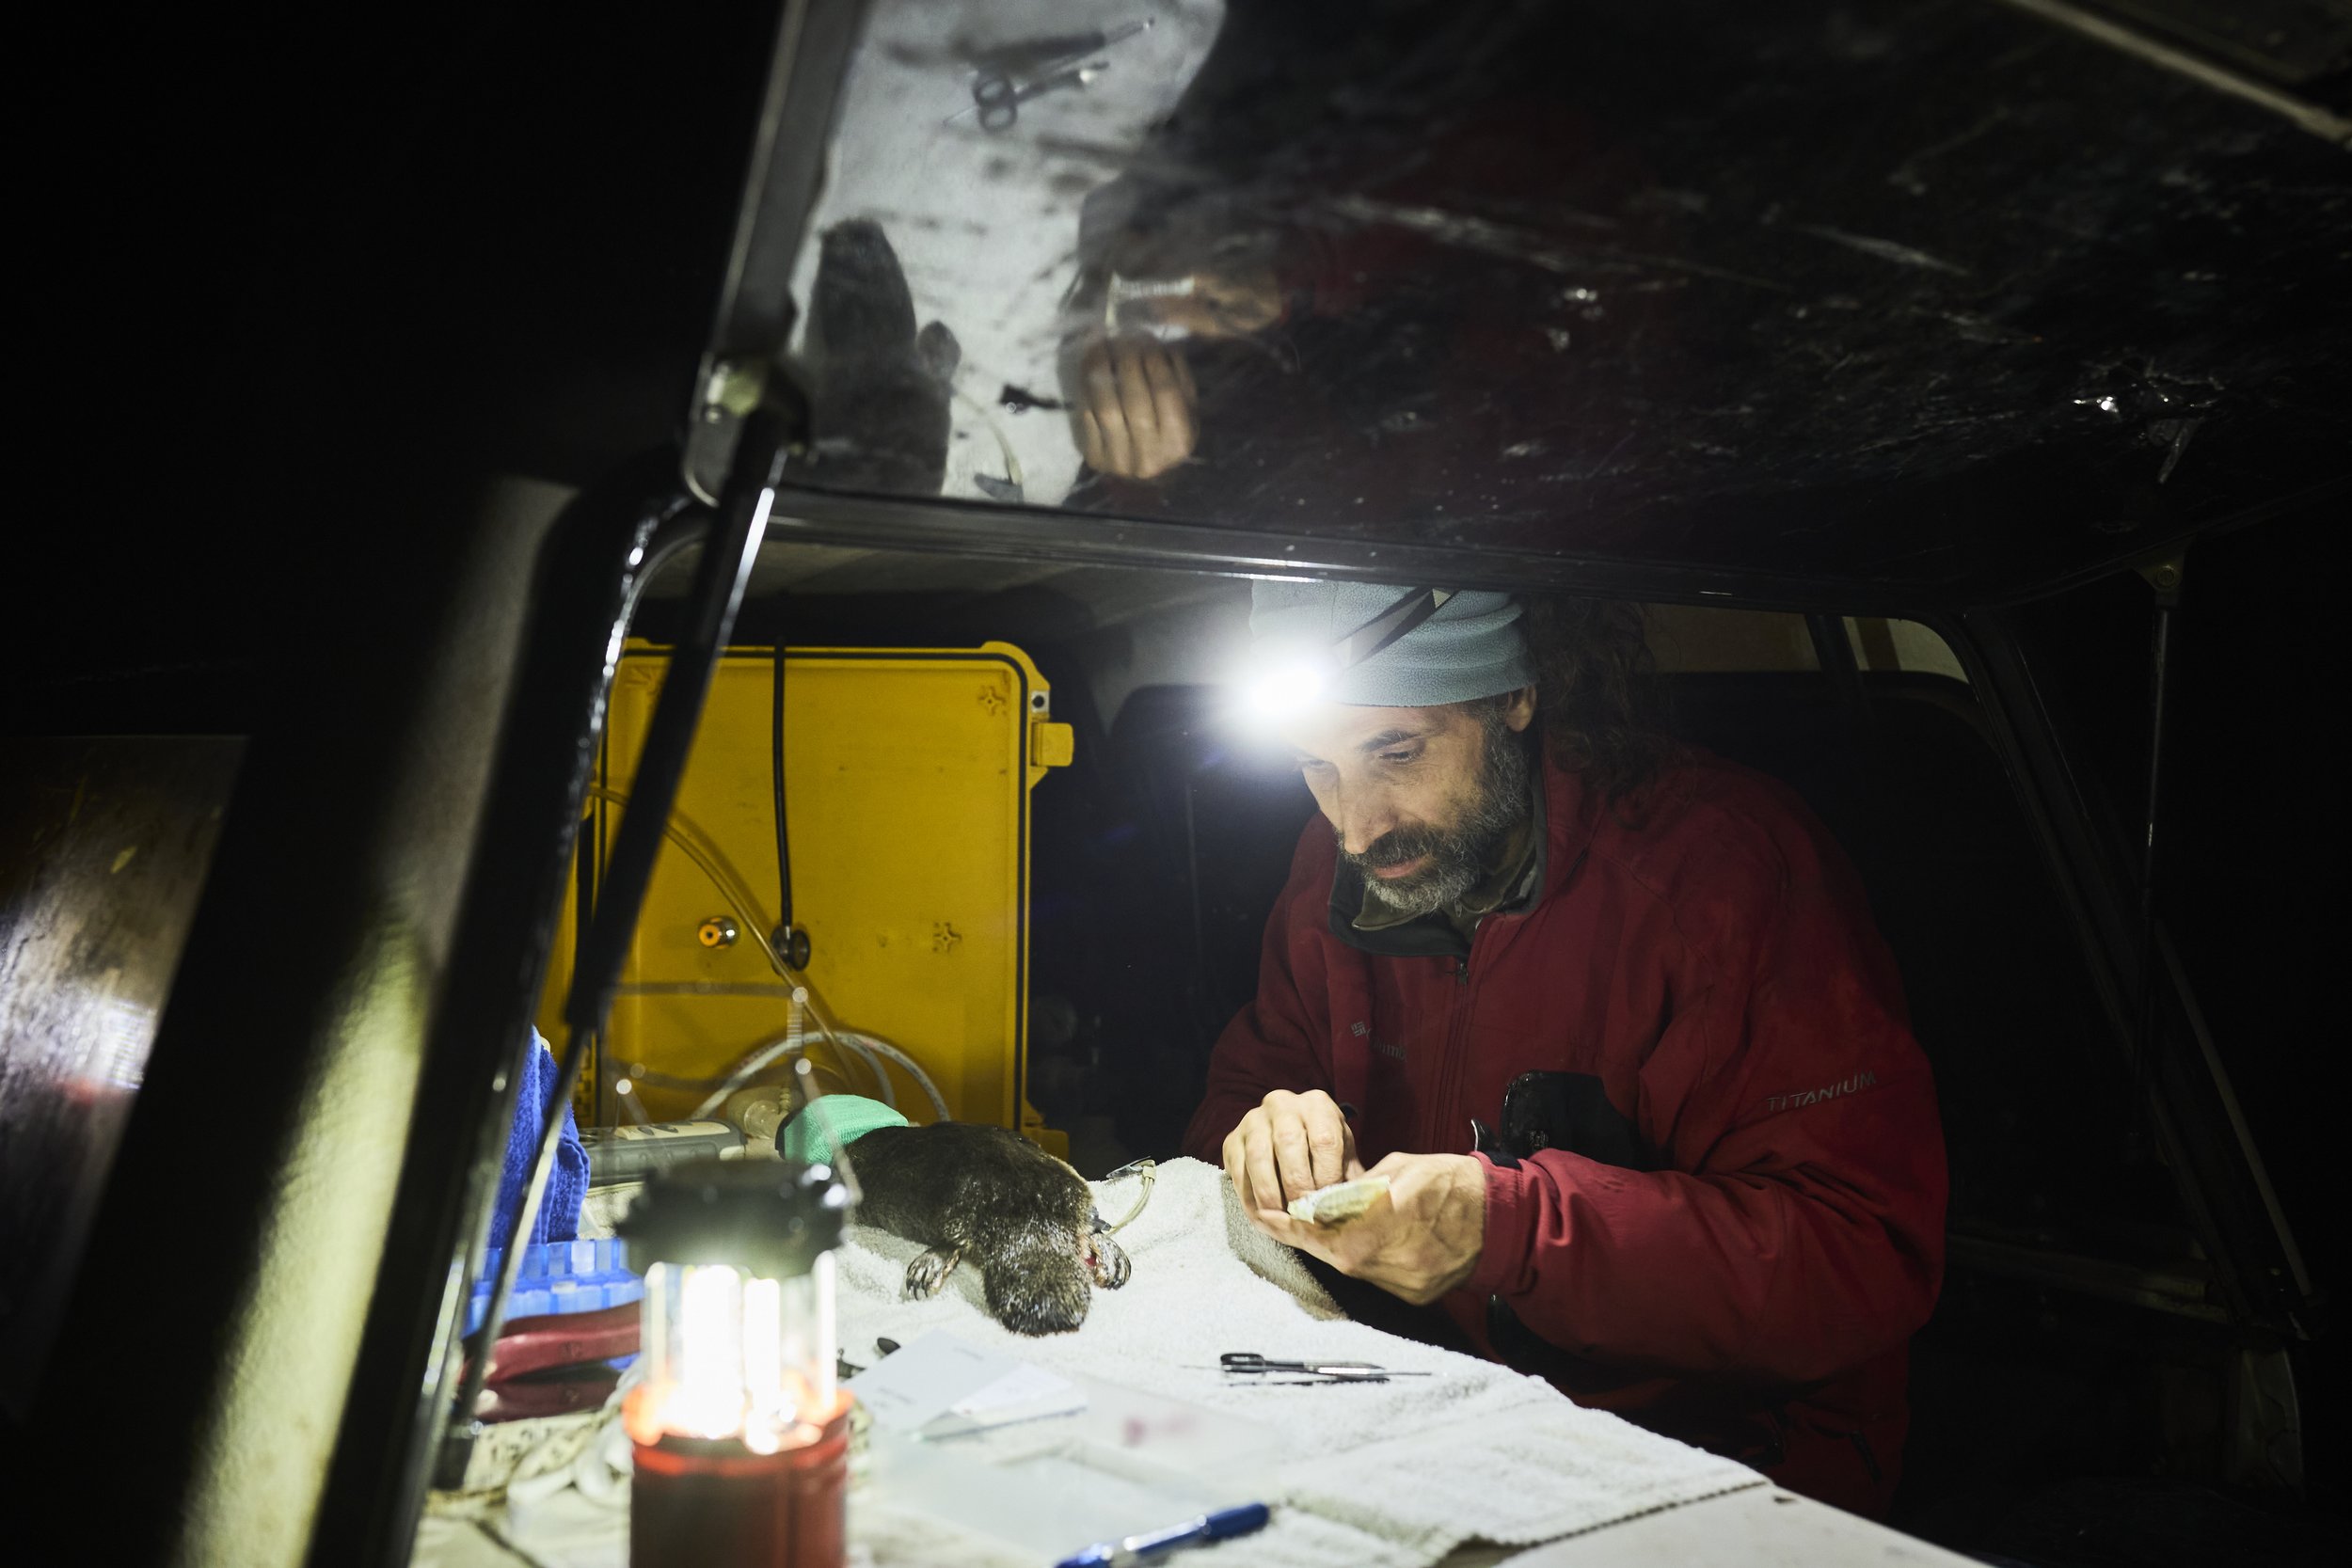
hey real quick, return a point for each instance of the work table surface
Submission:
(1762, 1527)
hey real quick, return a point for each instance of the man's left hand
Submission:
(1419, 1242)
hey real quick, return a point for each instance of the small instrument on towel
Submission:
(1248, 1363)
(1011, 75)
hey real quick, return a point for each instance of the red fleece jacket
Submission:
(1713, 965)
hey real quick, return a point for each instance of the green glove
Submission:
(825, 1124)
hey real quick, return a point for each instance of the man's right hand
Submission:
(1291, 1145)
(1131, 405)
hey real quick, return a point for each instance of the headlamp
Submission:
(1290, 685)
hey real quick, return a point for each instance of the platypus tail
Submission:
(1037, 1288)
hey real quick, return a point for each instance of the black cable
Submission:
(584, 870)
(717, 595)
(790, 940)
(784, 837)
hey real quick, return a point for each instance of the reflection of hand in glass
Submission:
(1133, 402)
(1133, 407)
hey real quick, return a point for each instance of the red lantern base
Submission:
(697, 1501)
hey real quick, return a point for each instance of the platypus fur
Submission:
(990, 1197)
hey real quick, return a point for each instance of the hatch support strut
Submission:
(2116, 34)
(2164, 582)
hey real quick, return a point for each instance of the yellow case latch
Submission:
(1052, 745)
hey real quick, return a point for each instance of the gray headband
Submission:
(1471, 647)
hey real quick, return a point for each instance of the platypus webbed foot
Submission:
(1106, 1260)
(928, 1272)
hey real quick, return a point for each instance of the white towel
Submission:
(1393, 1475)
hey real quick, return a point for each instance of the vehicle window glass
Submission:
(1904, 646)
(1483, 272)
(1694, 638)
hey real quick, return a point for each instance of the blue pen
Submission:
(1225, 1524)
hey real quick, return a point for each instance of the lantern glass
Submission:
(735, 1354)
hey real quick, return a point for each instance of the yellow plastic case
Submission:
(907, 780)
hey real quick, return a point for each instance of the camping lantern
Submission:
(741, 1436)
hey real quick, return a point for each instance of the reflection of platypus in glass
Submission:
(989, 1197)
(878, 388)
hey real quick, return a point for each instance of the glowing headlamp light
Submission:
(1287, 688)
(1293, 684)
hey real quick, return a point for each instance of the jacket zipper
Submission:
(1448, 1110)
(1449, 1106)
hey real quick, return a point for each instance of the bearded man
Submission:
(1611, 1015)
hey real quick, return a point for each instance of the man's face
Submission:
(1421, 799)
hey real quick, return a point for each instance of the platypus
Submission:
(878, 388)
(992, 1198)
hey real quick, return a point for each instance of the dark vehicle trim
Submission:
(594, 566)
(811, 516)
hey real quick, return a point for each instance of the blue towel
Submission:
(558, 1219)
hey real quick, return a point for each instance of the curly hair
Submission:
(1598, 698)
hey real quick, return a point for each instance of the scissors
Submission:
(1249, 1363)
(1025, 71)
(998, 97)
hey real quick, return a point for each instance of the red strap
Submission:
(562, 1339)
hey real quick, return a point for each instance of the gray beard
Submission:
(1461, 856)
